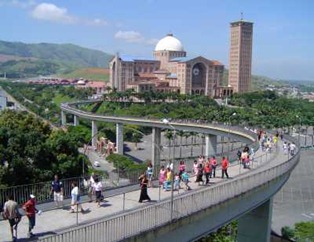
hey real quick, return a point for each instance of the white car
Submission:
(96, 163)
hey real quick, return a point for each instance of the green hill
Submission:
(24, 60)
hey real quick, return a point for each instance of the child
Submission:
(176, 182)
(185, 180)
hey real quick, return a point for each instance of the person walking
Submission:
(213, 163)
(181, 168)
(168, 181)
(208, 171)
(30, 209)
(185, 180)
(149, 174)
(224, 167)
(11, 212)
(98, 189)
(199, 176)
(195, 169)
(57, 191)
(143, 184)
(75, 198)
(162, 175)
(91, 187)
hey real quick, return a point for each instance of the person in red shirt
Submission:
(30, 210)
(224, 167)
(213, 163)
(208, 171)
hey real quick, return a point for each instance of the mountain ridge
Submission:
(20, 59)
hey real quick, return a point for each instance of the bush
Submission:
(124, 163)
(287, 232)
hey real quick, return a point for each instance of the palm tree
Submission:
(169, 136)
(181, 134)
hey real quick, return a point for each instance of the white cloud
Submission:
(50, 12)
(134, 37)
(129, 36)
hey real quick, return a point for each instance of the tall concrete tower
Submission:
(240, 56)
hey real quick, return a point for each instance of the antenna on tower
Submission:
(241, 16)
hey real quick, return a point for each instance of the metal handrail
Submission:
(131, 222)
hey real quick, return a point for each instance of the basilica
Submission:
(170, 70)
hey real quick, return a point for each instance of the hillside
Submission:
(258, 82)
(24, 60)
(92, 73)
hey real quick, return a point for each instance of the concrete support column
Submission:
(63, 118)
(94, 134)
(156, 138)
(119, 138)
(256, 225)
(75, 120)
(210, 145)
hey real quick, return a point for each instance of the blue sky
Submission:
(283, 29)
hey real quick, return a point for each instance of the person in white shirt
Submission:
(292, 149)
(98, 188)
(91, 187)
(75, 201)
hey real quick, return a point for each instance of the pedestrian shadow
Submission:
(36, 236)
(104, 205)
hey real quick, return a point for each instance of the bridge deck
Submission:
(56, 220)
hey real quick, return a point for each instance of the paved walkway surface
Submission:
(52, 221)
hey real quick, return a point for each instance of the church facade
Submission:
(171, 70)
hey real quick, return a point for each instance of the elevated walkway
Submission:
(60, 221)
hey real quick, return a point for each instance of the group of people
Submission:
(12, 214)
(201, 168)
(11, 208)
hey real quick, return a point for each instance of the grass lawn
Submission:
(93, 73)
(58, 99)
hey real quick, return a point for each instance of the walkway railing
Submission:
(42, 190)
(121, 226)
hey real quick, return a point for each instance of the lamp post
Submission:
(300, 123)
(167, 122)
(229, 123)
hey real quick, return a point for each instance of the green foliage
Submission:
(31, 152)
(287, 232)
(304, 231)
(125, 164)
(45, 100)
(97, 74)
(46, 59)
(226, 233)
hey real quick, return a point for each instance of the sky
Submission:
(283, 35)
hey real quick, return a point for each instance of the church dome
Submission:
(169, 43)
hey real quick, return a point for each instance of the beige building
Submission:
(240, 56)
(171, 70)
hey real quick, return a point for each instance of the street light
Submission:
(167, 122)
(300, 123)
(229, 123)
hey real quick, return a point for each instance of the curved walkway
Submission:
(51, 222)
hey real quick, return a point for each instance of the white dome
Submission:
(169, 43)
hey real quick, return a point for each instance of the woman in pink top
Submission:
(181, 168)
(162, 175)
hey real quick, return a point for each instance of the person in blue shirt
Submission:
(57, 191)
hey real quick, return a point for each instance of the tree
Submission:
(29, 147)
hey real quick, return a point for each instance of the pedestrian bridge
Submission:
(190, 215)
